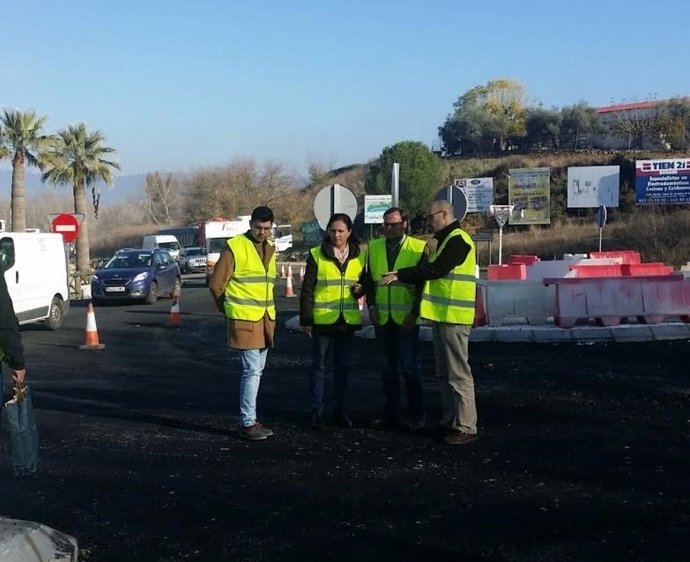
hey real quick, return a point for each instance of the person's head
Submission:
(441, 214)
(339, 229)
(261, 223)
(394, 223)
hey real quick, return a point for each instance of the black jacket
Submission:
(454, 254)
(306, 297)
(10, 340)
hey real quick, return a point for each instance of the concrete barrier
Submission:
(26, 541)
(541, 270)
(610, 299)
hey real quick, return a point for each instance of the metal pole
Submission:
(600, 231)
(395, 184)
(500, 246)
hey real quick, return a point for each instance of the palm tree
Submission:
(23, 142)
(78, 160)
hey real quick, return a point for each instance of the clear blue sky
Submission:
(177, 85)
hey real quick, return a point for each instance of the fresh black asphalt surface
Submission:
(584, 451)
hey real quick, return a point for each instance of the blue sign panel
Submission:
(662, 182)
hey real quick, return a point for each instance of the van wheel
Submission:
(153, 293)
(56, 315)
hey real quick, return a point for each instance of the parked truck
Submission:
(214, 233)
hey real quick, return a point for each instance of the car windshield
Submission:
(216, 245)
(129, 261)
(169, 245)
(194, 252)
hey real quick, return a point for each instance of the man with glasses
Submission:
(242, 285)
(448, 302)
(394, 309)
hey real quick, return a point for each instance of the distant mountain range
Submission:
(126, 188)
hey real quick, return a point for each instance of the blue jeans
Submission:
(399, 349)
(339, 345)
(253, 363)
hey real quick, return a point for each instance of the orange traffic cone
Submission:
(289, 292)
(174, 318)
(282, 271)
(289, 272)
(301, 273)
(91, 331)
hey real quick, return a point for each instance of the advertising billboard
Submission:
(529, 191)
(593, 186)
(479, 192)
(662, 182)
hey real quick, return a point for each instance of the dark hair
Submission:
(344, 218)
(403, 213)
(262, 214)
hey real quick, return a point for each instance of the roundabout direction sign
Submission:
(333, 199)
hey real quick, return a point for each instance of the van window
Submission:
(169, 245)
(6, 253)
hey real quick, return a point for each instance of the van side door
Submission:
(8, 262)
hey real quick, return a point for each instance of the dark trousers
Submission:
(399, 349)
(339, 346)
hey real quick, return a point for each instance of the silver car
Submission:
(192, 260)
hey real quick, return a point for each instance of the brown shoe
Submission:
(251, 432)
(459, 438)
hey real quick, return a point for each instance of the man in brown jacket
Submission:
(242, 285)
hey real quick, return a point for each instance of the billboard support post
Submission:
(501, 213)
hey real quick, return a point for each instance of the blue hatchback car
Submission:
(136, 274)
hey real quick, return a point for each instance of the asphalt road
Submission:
(583, 453)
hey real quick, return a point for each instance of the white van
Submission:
(164, 242)
(37, 277)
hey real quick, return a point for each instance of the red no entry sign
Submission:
(67, 225)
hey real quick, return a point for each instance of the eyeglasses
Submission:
(431, 216)
(391, 224)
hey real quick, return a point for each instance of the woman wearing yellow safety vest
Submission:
(329, 312)
(448, 302)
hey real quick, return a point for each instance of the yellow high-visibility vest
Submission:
(249, 293)
(394, 300)
(332, 294)
(451, 298)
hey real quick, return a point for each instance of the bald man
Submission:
(448, 303)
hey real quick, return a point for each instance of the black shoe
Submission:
(459, 438)
(343, 420)
(316, 420)
(386, 424)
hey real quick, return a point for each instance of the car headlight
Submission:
(141, 277)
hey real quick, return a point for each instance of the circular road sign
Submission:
(335, 198)
(600, 216)
(456, 197)
(67, 225)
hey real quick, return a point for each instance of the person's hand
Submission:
(374, 315)
(308, 330)
(357, 290)
(18, 375)
(388, 278)
(409, 322)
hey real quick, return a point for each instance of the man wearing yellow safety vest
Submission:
(11, 348)
(394, 310)
(448, 302)
(242, 285)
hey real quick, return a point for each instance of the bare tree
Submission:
(160, 202)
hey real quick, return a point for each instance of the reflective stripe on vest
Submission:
(451, 298)
(249, 293)
(397, 298)
(332, 295)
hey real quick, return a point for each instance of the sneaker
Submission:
(316, 420)
(267, 432)
(459, 438)
(251, 432)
